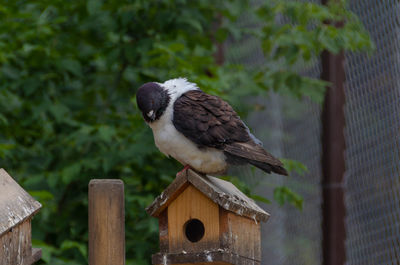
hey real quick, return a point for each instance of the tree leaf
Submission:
(283, 194)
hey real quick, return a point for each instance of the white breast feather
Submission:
(172, 143)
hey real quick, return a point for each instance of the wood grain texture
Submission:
(192, 204)
(224, 237)
(226, 195)
(244, 237)
(168, 195)
(241, 235)
(163, 231)
(230, 218)
(106, 222)
(220, 257)
(15, 203)
(16, 246)
(36, 255)
(222, 192)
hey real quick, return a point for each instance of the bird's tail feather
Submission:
(268, 167)
(254, 154)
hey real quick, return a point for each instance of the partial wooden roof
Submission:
(15, 203)
(222, 192)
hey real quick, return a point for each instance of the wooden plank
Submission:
(168, 195)
(15, 203)
(163, 231)
(240, 235)
(245, 236)
(15, 245)
(224, 229)
(219, 257)
(221, 192)
(192, 204)
(36, 255)
(227, 196)
(106, 222)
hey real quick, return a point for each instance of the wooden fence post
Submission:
(333, 162)
(106, 222)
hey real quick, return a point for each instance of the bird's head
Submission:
(152, 100)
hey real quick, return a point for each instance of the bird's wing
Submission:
(209, 121)
(255, 153)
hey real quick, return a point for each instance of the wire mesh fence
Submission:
(291, 236)
(373, 139)
(293, 131)
(372, 178)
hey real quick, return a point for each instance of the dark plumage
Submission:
(211, 122)
(152, 99)
(200, 130)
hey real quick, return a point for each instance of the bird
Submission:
(200, 130)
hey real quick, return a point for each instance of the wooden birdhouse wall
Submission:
(206, 220)
(189, 206)
(18, 244)
(240, 234)
(17, 209)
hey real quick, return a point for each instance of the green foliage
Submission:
(309, 30)
(294, 166)
(69, 71)
(283, 194)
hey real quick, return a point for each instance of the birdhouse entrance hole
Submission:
(194, 230)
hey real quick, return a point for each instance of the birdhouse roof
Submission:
(222, 192)
(15, 203)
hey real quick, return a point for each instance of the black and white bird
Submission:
(201, 131)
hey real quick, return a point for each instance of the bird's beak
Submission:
(151, 114)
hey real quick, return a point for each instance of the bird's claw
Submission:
(183, 170)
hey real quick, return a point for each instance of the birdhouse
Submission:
(17, 209)
(206, 220)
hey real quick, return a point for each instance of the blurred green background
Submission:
(68, 75)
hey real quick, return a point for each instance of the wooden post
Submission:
(106, 222)
(333, 161)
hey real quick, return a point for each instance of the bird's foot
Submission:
(183, 170)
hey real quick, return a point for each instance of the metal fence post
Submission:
(106, 222)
